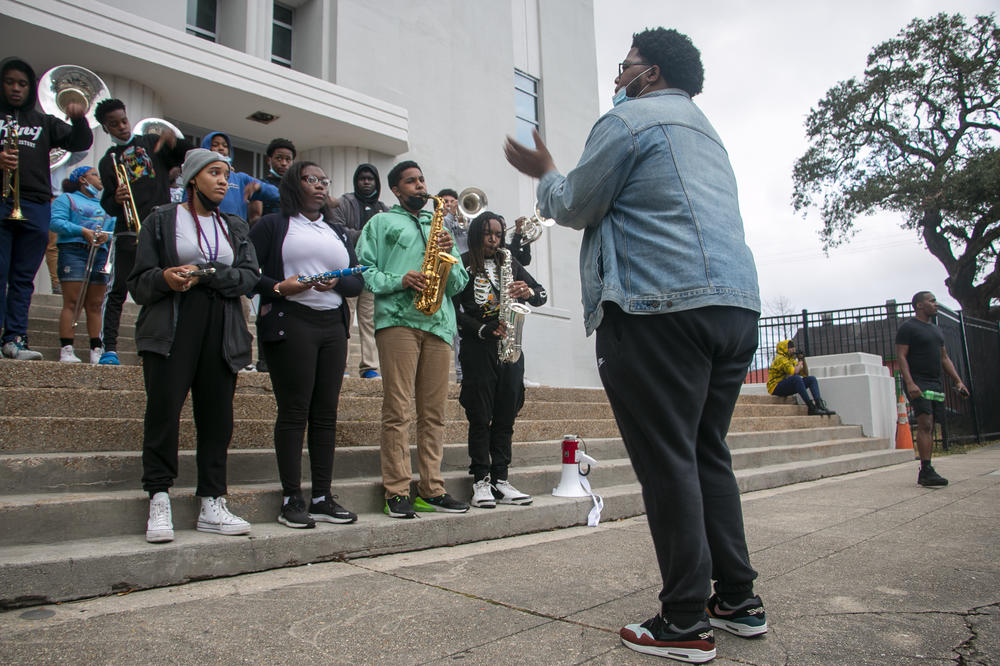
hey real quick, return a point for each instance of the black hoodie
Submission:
(38, 133)
(355, 210)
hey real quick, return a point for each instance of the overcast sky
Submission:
(766, 64)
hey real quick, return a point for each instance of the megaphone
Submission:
(572, 457)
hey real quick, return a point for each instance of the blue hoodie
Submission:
(71, 211)
(233, 202)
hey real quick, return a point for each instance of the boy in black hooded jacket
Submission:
(23, 241)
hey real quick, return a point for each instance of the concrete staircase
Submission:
(72, 513)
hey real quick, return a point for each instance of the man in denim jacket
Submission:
(670, 286)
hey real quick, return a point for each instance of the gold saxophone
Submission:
(436, 266)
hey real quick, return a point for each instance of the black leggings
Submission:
(124, 260)
(492, 395)
(307, 370)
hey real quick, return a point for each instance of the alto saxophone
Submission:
(511, 313)
(437, 265)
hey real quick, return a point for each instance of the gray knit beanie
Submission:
(195, 160)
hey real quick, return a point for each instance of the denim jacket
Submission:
(656, 197)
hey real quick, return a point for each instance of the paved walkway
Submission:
(861, 569)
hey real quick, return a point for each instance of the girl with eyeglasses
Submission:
(303, 331)
(192, 337)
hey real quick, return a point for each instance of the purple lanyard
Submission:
(213, 253)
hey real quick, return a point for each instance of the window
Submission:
(281, 36)
(201, 18)
(526, 106)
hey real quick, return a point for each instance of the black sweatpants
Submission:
(195, 363)
(672, 381)
(307, 370)
(492, 395)
(123, 262)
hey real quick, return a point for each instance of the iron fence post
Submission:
(968, 371)
(805, 331)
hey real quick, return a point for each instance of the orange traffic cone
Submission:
(904, 438)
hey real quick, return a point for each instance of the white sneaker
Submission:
(67, 355)
(17, 349)
(508, 494)
(482, 495)
(95, 355)
(215, 517)
(160, 526)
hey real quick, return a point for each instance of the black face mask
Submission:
(206, 202)
(415, 202)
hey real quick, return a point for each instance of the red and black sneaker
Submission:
(655, 636)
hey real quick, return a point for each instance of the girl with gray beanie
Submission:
(192, 266)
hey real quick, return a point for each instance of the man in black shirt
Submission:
(148, 160)
(921, 355)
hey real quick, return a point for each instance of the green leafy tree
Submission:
(919, 134)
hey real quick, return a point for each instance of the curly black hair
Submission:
(676, 56)
(280, 143)
(396, 174)
(106, 106)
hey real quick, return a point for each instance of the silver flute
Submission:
(330, 275)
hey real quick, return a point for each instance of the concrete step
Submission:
(32, 574)
(37, 325)
(26, 473)
(131, 403)
(56, 301)
(36, 574)
(40, 517)
(50, 338)
(129, 358)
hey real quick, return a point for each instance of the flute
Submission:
(330, 275)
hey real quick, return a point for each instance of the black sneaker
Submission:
(655, 636)
(928, 477)
(445, 503)
(745, 619)
(293, 513)
(399, 506)
(328, 511)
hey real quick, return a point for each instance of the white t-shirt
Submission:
(311, 248)
(212, 236)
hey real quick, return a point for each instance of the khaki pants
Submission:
(413, 360)
(363, 308)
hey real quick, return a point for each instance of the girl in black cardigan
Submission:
(191, 336)
(303, 331)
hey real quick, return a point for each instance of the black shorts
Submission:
(924, 406)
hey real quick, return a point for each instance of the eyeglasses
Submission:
(622, 66)
(314, 180)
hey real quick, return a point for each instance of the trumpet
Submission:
(532, 228)
(12, 177)
(132, 222)
(471, 202)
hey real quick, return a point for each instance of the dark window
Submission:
(201, 18)
(525, 107)
(281, 36)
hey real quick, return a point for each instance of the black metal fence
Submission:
(972, 344)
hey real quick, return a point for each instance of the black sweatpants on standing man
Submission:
(672, 381)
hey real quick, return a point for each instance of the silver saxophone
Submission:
(511, 313)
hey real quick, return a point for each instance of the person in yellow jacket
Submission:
(785, 378)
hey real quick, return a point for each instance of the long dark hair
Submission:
(290, 190)
(477, 234)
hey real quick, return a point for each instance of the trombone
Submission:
(12, 177)
(82, 296)
(471, 202)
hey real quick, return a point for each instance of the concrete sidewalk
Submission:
(867, 568)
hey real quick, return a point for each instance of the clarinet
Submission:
(330, 275)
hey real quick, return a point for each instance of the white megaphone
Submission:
(572, 457)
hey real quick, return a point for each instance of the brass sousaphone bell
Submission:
(63, 85)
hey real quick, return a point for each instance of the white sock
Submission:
(285, 501)
(317, 500)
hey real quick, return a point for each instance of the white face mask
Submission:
(621, 96)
